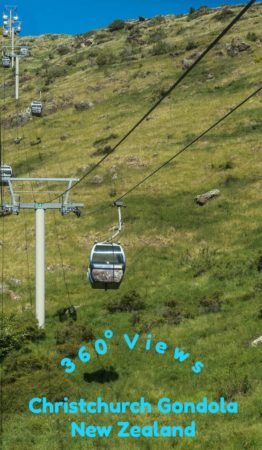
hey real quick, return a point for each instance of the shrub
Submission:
(212, 304)
(44, 88)
(53, 37)
(29, 87)
(161, 48)
(180, 30)
(103, 151)
(191, 45)
(24, 363)
(87, 35)
(105, 58)
(171, 303)
(116, 25)
(195, 13)
(54, 72)
(16, 331)
(156, 36)
(102, 35)
(79, 57)
(231, 390)
(73, 333)
(259, 264)
(172, 317)
(127, 53)
(251, 36)
(228, 165)
(129, 302)
(63, 50)
(230, 180)
(105, 140)
(224, 14)
(157, 20)
(70, 62)
(135, 319)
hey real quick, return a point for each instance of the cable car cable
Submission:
(166, 94)
(215, 124)
(232, 110)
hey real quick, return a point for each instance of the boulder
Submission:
(236, 46)
(83, 106)
(187, 62)
(204, 198)
(36, 142)
(14, 282)
(257, 342)
(97, 179)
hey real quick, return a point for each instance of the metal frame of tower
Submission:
(65, 207)
(12, 25)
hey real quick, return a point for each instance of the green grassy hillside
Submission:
(193, 277)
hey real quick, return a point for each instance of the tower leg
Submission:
(40, 267)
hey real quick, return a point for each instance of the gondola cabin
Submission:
(6, 173)
(6, 61)
(106, 266)
(36, 108)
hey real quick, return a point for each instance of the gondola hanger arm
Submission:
(119, 204)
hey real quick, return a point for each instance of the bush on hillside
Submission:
(195, 13)
(161, 48)
(116, 25)
(16, 331)
(251, 36)
(54, 72)
(156, 36)
(191, 45)
(127, 53)
(129, 302)
(63, 50)
(105, 58)
(73, 333)
(211, 305)
(225, 14)
(157, 20)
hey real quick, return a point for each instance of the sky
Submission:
(67, 17)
